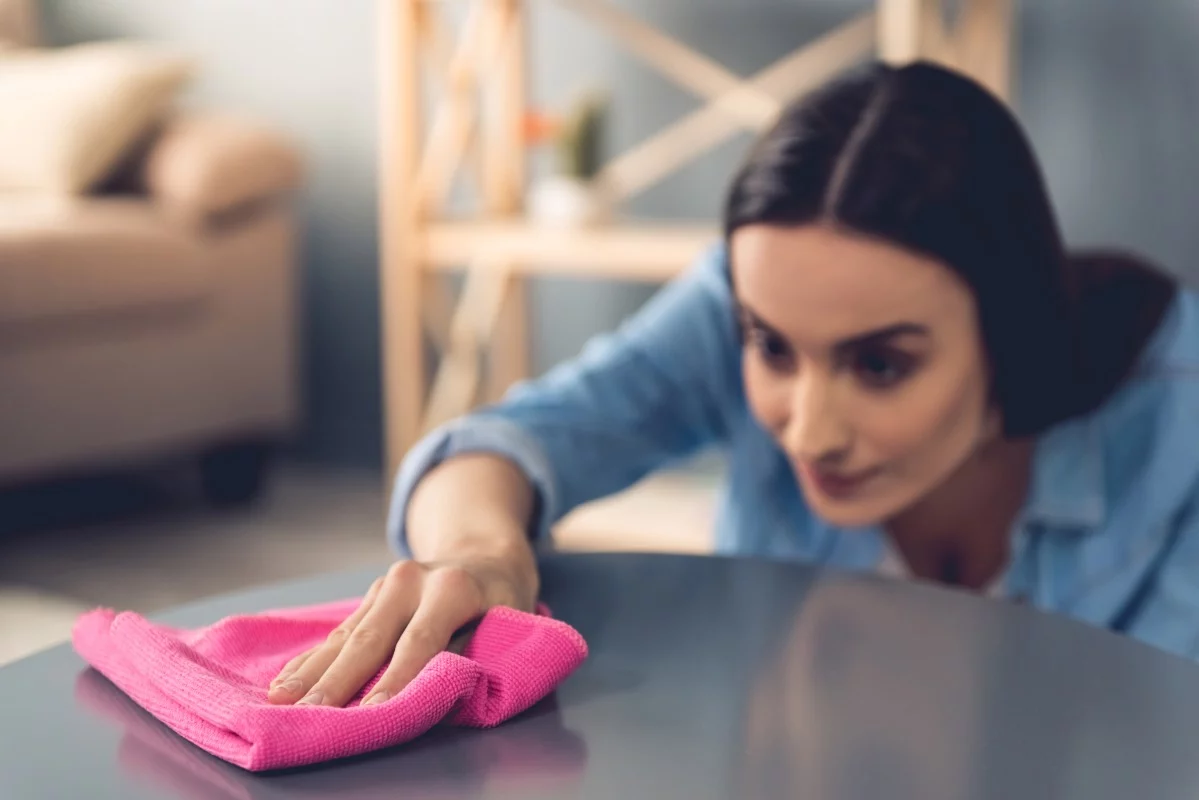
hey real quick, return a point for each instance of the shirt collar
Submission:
(1068, 478)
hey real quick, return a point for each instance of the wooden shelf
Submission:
(634, 251)
(669, 512)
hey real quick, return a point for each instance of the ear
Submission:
(992, 426)
(993, 421)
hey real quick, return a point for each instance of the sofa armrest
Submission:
(201, 168)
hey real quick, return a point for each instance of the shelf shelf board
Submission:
(670, 512)
(651, 252)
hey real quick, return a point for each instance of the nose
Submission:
(815, 432)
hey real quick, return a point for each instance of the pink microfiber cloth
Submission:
(209, 685)
(536, 756)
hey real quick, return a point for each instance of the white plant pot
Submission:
(563, 201)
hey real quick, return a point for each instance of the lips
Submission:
(837, 485)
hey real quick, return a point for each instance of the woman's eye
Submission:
(772, 348)
(881, 369)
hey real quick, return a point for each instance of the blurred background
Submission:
(190, 326)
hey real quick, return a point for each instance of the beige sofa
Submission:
(157, 315)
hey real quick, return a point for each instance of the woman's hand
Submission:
(467, 523)
(407, 617)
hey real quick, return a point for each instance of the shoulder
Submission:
(710, 272)
(689, 325)
(703, 286)
(1161, 395)
(1176, 342)
(1126, 475)
(1148, 430)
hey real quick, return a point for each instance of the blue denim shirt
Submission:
(1109, 533)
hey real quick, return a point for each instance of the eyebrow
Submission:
(882, 335)
(867, 339)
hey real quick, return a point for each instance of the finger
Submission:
(373, 640)
(291, 666)
(451, 599)
(306, 668)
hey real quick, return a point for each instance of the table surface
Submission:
(708, 678)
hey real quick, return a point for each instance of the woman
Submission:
(908, 374)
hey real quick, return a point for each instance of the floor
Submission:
(144, 545)
(134, 544)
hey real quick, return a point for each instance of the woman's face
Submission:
(865, 362)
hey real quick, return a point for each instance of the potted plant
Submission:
(571, 195)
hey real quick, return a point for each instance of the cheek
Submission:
(766, 393)
(938, 421)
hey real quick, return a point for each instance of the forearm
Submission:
(475, 507)
(657, 389)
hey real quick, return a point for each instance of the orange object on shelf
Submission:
(540, 127)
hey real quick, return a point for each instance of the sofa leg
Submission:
(234, 475)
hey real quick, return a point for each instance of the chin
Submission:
(856, 512)
(847, 515)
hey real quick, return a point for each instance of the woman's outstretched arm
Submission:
(471, 496)
(662, 387)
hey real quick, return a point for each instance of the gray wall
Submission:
(1109, 90)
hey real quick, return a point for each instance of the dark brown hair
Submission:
(928, 159)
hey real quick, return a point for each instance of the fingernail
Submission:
(376, 698)
(313, 698)
(291, 685)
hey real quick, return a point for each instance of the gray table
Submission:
(709, 678)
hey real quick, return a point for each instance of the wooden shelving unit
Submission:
(476, 72)
(630, 251)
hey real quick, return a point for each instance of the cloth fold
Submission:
(533, 752)
(209, 685)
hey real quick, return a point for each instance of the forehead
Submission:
(820, 283)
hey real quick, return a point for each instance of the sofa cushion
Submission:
(204, 166)
(74, 260)
(18, 24)
(69, 115)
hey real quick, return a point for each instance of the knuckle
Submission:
(304, 678)
(422, 639)
(456, 581)
(365, 638)
(338, 636)
(403, 571)
(295, 663)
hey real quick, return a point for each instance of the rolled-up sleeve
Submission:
(661, 387)
(472, 434)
